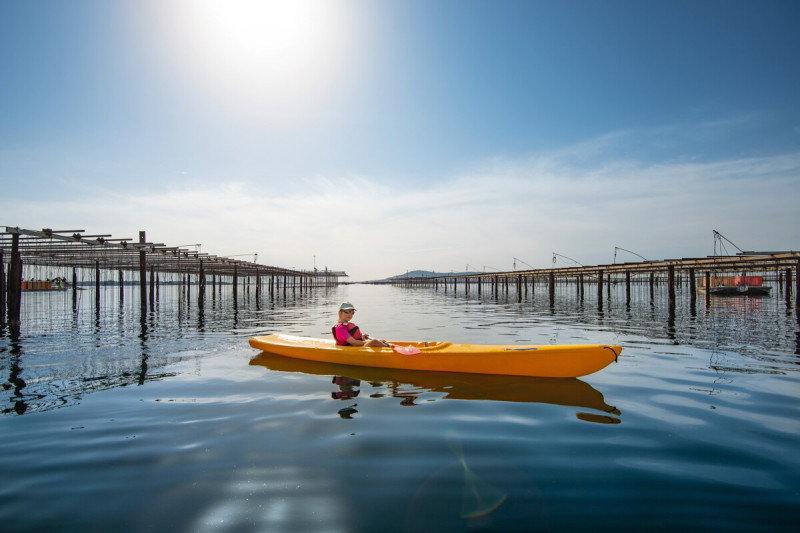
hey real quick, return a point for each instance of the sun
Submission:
(258, 55)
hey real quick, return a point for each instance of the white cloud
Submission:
(504, 209)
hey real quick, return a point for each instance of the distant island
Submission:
(422, 274)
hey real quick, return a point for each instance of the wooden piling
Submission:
(797, 288)
(74, 288)
(600, 286)
(2, 290)
(14, 284)
(671, 283)
(628, 287)
(97, 284)
(552, 289)
(201, 289)
(142, 274)
(152, 287)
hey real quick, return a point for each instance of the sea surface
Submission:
(170, 422)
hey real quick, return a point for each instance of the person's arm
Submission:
(352, 341)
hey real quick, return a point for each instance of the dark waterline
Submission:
(173, 423)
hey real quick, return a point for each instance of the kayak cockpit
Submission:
(426, 346)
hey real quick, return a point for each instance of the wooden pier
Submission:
(780, 268)
(75, 250)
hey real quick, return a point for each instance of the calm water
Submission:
(175, 424)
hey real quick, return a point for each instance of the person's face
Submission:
(346, 316)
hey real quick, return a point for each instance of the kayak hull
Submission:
(562, 361)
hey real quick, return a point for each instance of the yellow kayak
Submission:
(562, 361)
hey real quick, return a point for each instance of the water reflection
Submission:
(69, 346)
(15, 382)
(478, 497)
(409, 385)
(797, 332)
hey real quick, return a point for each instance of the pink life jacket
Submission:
(340, 328)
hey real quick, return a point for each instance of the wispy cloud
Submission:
(556, 202)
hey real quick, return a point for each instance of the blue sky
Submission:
(381, 136)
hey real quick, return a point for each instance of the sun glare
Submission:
(260, 55)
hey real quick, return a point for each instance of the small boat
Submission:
(546, 361)
(735, 286)
(44, 285)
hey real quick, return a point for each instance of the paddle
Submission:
(406, 350)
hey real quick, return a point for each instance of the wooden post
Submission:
(652, 285)
(152, 287)
(2, 290)
(552, 288)
(628, 287)
(600, 286)
(788, 287)
(142, 274)
(97, 284)
(235, 284)
(201, 288)
(692, 286)
(121, 286)
(671, 283)
(797, 288)
(14, 284)
(74, 288)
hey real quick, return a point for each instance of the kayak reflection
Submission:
(457, 386)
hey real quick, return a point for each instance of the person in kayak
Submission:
(348, 334)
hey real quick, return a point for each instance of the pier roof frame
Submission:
(745, 261)
(74, 248)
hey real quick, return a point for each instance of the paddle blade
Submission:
(406, 350)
